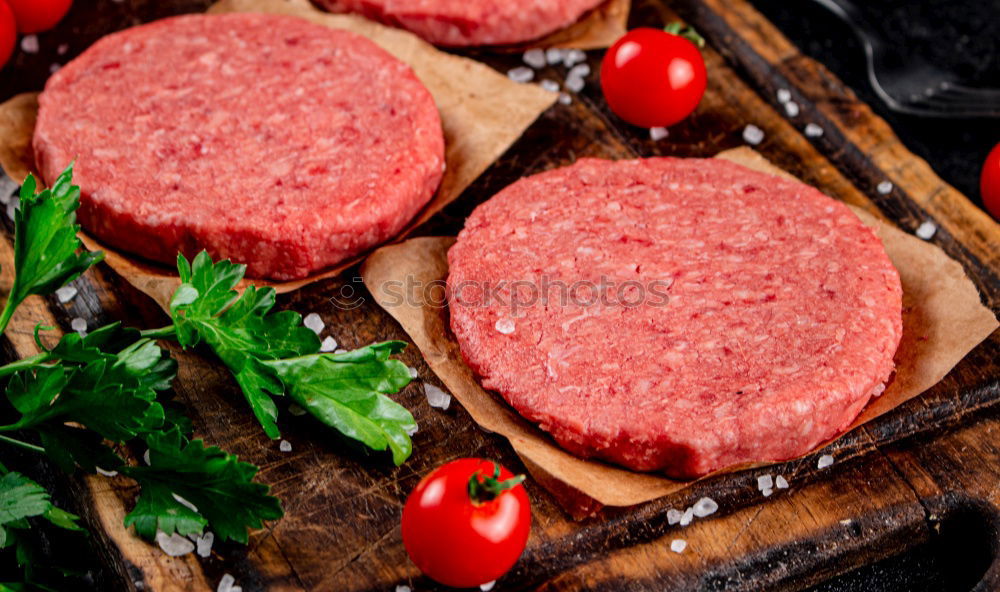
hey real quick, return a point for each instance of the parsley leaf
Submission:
(22, 498)
(214, 481)
(348, 392)
(45, 242)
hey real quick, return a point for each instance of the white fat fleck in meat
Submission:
(505, 326)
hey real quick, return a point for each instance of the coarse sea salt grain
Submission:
(705, 507)
(296, 410)
(575, 83)
(678, 545)
(765, 482)
(329, 344)
(534, 58)
(174, 545)
(825, 461)
(550, 85)
(766, 492)
(340, 351)
(885, 187)
(185, 503)
(145, 457)
(752, 134)
(780, 482)
(53, 68)
(29, 44)
(314, 322)
(487, 586)
(565, 99)
(101, 471)
(436, 397)
(658, 133)
(926, 230)
(792, 109)
(203, 544)
(66, 293)
(79, 325)
(687, 517)
(413, 371)
(285, 446)
(580, 70)
(674, 516)
(554, 55)
(7, 188)
(406, 588)
(505, 326)
(521, 74)
(228, 584)
(62, 49)
(813, 130)
(573, 56)
(784, 95)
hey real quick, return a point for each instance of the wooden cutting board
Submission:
(926, 473)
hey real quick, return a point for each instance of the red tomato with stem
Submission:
(654, 78)
(467, 522)
(8, 33)
(989, 182)
(35, 16)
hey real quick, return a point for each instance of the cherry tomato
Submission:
(467, 522)
(989, 182)
(35, 16)
(652, 78)
(8, 33)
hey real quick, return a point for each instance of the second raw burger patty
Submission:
(265, 139)
(470, 22)
(739, 316)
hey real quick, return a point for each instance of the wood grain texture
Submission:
(896, 482)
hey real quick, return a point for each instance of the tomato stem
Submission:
(485, 488)
(681, 30)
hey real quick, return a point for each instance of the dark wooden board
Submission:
(930, 467)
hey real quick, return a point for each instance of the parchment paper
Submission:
(943, 320)
(598, 29)
(482, 112)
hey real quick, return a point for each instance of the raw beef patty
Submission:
(265, 139)
(470, 22)
(679, 315)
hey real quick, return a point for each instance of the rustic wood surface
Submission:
(907, 479)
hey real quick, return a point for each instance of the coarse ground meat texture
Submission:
(265, 139)
(712, 315)
(459, 23)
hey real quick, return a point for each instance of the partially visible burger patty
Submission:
(470, 22)
(266, 139)
(738, 316)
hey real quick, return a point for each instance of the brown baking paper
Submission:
(598, 29)
(943, 320)
(482, 113)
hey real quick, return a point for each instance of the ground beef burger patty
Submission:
(470, 22)
(680, 315)
(266, 139)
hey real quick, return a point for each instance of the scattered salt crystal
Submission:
(658, 133)
(7, 188)
(765, 482)
(678, 545)
(413, 371)
(813, 130)
(753, 134)
(534, 58)
(62, 49)
(687, 517)
(203, 544)
(521, 74)
(285, 446)
(766, 492)
(226, 584)
(846, 521)
(407, 588)
(411, 430)
(784, 95)
(674, 516)
(825, 461)
(315, 322)
(565, 99)
(573, 56)
(174, 545)
(780, 482)
(926, 230)
(145, 457)
(66, 293)
(575, 83)
(554, 55)
(505, 326)
(340, 351)
(550, 85)
(53, 68)
(885, 187)
(705, 507)
(79, 325)
(29, 44)
(436, 397)
(792, 109)
(329, 344)
(487, 586)
(581, 70)
(185, 503)
(296, 410)
(101, 471)
(12, 205)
